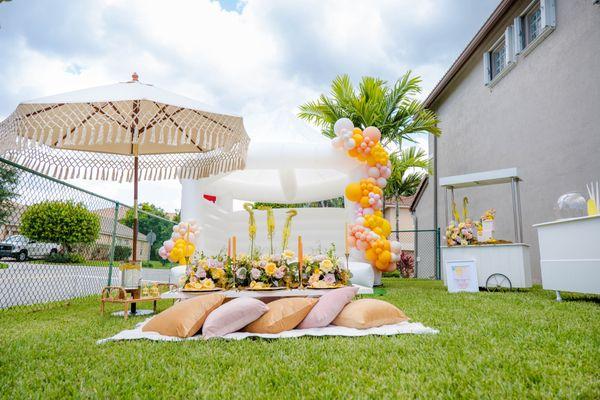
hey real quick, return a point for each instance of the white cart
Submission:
(570, 255)
(498, 265)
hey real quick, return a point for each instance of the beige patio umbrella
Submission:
(127, 131)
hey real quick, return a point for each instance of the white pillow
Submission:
(362, 274)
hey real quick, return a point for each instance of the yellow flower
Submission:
(288, 254)
(217, 273)
(326, 265)
(208, 284)
(270, 268)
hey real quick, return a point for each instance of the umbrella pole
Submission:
(135, 207)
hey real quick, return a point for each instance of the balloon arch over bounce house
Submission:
(356, 165)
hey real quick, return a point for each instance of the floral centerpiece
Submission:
(208, 273)
(461, 234)
(325, 271)
(271, 270)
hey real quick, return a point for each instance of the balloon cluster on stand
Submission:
(180, 248)
(370, 229)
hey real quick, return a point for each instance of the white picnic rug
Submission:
(331, 330)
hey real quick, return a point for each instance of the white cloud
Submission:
(260, 60)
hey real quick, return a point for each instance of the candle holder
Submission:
(347, 260)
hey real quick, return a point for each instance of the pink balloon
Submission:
(390, 268)
(162, 253)
(372, 133)
(175, 236)
(361, 245)
(385, 172)
(381, 182)
(352, 241)
(360, 221)
(337, 142)
(368, 211)
(168, 245)
(373, 172)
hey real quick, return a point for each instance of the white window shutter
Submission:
(509, 43)
(487, 65)
(518, 42)
(548, 11)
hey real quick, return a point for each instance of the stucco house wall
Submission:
(542, 117)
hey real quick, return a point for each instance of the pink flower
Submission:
(329, 279)
(279, 273)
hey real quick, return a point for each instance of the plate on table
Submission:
(202, 290)
(266, 289)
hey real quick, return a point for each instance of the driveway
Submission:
(28, 283)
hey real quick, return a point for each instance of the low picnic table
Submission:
(178, 294)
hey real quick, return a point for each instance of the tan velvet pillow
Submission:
(184, 319)
(283, 315)
(369, 313)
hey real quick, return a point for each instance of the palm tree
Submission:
(392, 109)
(409, 167)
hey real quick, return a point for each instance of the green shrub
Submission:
(122, 253)
(65, 258)
(63, 222)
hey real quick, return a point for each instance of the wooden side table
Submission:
(121, 297)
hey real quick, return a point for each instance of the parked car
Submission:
(21, 248)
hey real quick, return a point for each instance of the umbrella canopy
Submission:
(172, 134)
(125, 131)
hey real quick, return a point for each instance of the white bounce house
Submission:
(279, 173)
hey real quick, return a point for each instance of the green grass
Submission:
(491, 345)
(3, 265)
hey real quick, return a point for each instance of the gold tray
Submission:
(217, 289)
(325, 288)
(265, 289)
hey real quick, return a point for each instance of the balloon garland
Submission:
(180, 248)
(370, 229)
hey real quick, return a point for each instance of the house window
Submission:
(533, 25)
(499, 58)
(498, 55)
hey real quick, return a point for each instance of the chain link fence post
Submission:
(113, 241)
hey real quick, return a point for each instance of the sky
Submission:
(256, 58)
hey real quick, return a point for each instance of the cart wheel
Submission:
(496, 282)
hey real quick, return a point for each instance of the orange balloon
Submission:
(357, 139)
(353, 192)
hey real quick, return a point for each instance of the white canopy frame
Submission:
(495, 177)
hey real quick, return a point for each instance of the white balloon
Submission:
(176, 228)
(341, 124)
(395, 247)
(349, 144)
(191, 237)
(360, 220)
(395, 257)
(337, 142)
(381, 182)
(175, 236)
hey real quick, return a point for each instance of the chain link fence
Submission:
(59, 242)
(420, 253)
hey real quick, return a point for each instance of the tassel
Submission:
(153, 135)
(109, 135)
(92, 136)
(161, 139)
(100, 137)
(83, 135)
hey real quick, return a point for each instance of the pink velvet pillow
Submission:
(328, 307)
(233, 316)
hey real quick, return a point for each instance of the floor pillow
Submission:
(184, 319)
(233, 316)
(369, 313)
(283, 315)
(328, 307)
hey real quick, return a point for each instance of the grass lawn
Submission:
(491, 345)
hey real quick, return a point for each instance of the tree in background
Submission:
(394, 110)
(148, 221)
(409, 167)
(9, 177)
(63, 222)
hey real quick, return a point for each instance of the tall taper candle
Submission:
(229, 247)
(346, 238)
(300, 260)
(234, 241)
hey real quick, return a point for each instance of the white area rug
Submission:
(331, 330)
